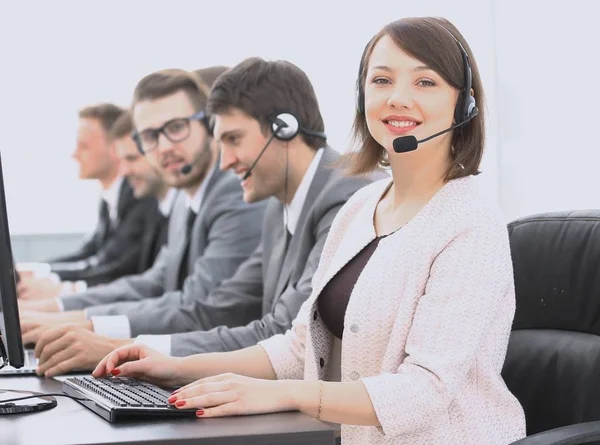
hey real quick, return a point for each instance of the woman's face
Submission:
(404, 97)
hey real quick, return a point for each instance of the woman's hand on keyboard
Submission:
(141, 362)
(232, 394)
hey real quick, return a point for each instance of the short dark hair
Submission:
(170, 81)
(122, 127)
(105, 113)
(263, 89)
(427, 39)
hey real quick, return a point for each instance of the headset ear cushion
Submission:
(465, 107)
(471, 107)
(285, 126)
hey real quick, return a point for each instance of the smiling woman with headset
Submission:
(404, 336)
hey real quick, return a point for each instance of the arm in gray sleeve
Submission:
(237, 301)
(234, 233)
(131, 288)
(222, 338)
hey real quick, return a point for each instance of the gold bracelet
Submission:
(320, 399)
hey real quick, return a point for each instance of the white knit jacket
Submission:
(427, 325)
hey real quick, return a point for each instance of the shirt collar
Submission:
(165, 205)
(293, 210)
(111, 196)
(195, 202)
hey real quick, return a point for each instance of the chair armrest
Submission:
(579, 433)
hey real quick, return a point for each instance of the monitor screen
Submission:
(11, 327)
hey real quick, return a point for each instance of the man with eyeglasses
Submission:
(211, 231)
(296, 175)
(143, 181)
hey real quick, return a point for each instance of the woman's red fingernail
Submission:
(200, 412)
(180, 403)
(116, 372)
(172, 399)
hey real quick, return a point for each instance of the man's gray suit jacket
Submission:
(265, 294)
(225, 233)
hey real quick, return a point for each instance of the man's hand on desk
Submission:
(47, 305)
(34, 324)
(33, 288)
(72, 348)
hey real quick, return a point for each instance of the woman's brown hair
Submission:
(428, 40)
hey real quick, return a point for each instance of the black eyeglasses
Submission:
(175, 130)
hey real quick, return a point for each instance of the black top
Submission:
(333, 300)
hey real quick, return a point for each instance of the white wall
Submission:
(62, 55)
(548, 85)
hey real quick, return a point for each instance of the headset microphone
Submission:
(285, 127)
(404, 144)
(464, 111)
(187, 168)
(249, 172)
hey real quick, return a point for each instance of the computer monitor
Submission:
(11, 345)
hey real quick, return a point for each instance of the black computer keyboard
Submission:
(121, 398)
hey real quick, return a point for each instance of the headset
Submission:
(285, 127)
(466, 108)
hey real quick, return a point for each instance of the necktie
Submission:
(288, 238)
(183, 267)
(275, 267)
(103, 222)
(191, 218)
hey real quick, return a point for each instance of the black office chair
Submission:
(553, 360)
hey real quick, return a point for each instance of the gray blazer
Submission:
(265, 294)
(225, 233)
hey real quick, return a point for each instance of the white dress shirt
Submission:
(165, 205)
(162, 343)
(111, 196)
(294, 208)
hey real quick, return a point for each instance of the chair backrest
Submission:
(553, 360)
